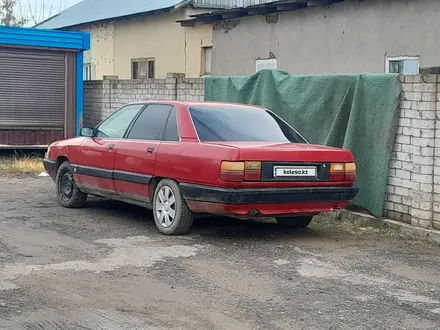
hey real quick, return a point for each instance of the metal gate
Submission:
(32, 96)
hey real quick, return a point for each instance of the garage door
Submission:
(32, 89)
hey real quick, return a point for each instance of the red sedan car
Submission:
(185, 158)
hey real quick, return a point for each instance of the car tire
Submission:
(171, 214)
(295, 222)
(68, 193)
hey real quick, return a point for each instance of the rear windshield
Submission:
(223, 123)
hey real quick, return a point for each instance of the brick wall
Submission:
(413, 193)
(103, 97)
(414, 175)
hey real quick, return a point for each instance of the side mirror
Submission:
(87, 132)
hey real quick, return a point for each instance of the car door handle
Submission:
(111, 146)
(150, 150)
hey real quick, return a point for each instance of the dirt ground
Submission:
(106, 267)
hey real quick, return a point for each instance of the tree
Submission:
(8, 16)
(40, 10)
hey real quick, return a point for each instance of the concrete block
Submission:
(403, 156)
(404, 122)
(403, 174)
(401, 191)
(405, 105)
(425, 88)
(395, 181)
(394, 198)
(389, 206)
(410, 184)
(403, 139)
(430, 134)
(423, 160)
(423, 123)
(426, 187)
(413, 114)
(422, 142)
(401, 208)
(427, 151)
(407, 87)
(395, 164)
(390, 189)
(408, 131)
(416, 105)
(421, 178)
(421, 214)
(416, 78)
(411, 96)
(428, 97)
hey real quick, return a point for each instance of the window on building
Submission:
(266, 64)
(205, 68)
(402, 64)
(142, 68)
(151, 69)
(87, 71)
(150, 125)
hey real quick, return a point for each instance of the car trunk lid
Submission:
(292, 162)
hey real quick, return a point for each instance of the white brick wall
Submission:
(102, 98)
(412, 187)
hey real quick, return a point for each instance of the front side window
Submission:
(232, 123)
(115, 126)
(150, 125)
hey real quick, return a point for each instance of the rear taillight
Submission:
(343, 172)
(240, 171)
(350, 172)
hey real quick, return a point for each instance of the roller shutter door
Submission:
(32, 89)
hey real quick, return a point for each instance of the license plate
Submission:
(294, 171)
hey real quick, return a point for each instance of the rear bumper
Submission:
(50, 167)
(233, 196)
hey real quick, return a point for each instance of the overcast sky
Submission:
(39, 10)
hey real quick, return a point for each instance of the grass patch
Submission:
(357, 229)
(21, 165)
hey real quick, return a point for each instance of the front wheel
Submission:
(171, 214)
(295, 222)
(67, 191)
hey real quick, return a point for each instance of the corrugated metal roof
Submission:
(96, 10)
(262, 8)
(88, 11)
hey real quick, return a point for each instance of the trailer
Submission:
(41, 86)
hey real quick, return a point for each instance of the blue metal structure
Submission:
(50, 39)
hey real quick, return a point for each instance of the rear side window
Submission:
(150, 125)
(171, 130)
(244, 123)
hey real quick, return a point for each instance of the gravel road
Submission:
(106, 267)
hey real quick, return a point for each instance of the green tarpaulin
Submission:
(356, 112)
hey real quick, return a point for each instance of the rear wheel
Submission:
(171, 214)
(67, 191)
(295, 222)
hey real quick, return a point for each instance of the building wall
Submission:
(414, 177)
(174, 48)
(102, 48)
(348, 37)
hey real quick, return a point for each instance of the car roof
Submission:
(198, 103)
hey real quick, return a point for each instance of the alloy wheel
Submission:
(166, 207)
